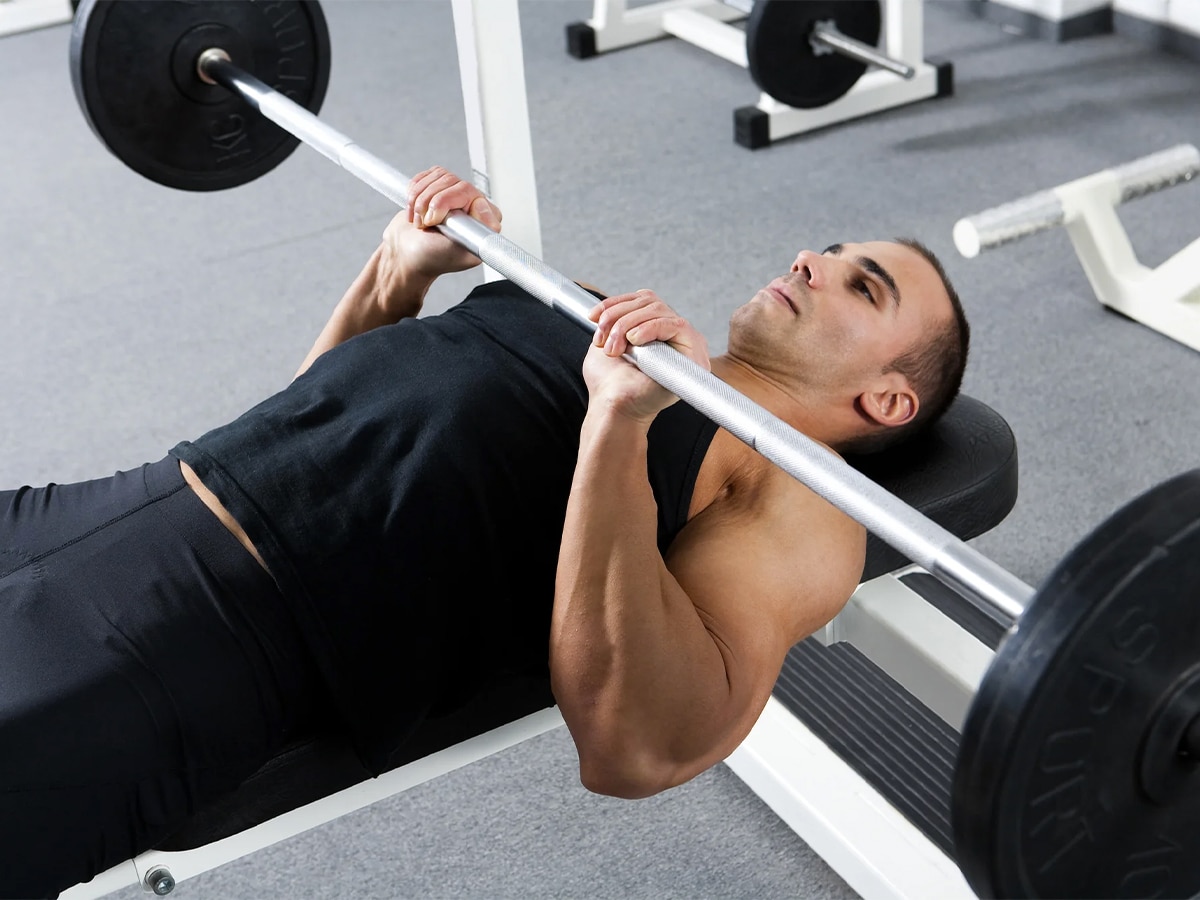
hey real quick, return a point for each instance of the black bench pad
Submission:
(962, 473)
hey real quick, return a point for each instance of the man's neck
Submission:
(731, 466)
(806, 414)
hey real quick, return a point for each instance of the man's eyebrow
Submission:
(882, 274)
(871, 266)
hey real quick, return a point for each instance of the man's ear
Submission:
(891, 403)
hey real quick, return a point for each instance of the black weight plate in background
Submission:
(1081, 717)
(133, 69)
(782, 62)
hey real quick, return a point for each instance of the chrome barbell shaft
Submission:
(982, 582)
(831, 37)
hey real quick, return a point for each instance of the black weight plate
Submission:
(782, 62)
(1071, 781)
(133, 69)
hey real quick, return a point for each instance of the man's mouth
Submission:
(782, 296)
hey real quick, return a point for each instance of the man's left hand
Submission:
(633, 320)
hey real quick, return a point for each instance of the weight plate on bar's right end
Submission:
(784, 64)
(1078, 772)
(133, 66)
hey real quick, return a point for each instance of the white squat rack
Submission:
(1165, 298)
(709, 24)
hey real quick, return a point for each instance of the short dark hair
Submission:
(934, 366)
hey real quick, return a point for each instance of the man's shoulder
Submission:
(776, 546)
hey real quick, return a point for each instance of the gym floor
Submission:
(135, 316)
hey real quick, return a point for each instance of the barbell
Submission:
(1079, 755)
(808, 53)
(805, 53)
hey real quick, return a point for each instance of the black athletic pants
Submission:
(147, 665)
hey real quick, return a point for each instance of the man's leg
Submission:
(147, 665)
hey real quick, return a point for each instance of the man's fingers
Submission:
(621, 313)
(486, 212)
(673, 330)
(613, 308)
(418, 186)
(642, 318)
(617, 333)
(439, 197)
(435, 193)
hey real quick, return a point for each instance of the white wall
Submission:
(1055, 10)
(1180, 14)
(1183, 15)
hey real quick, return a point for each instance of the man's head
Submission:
(871, 338)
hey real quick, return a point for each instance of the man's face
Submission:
(840, 317)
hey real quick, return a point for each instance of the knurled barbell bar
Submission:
(1078, 761)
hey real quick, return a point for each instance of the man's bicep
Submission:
(756, 596)
(761, 588)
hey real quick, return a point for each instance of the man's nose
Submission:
(812, 267)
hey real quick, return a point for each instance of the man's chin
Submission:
(751, 331)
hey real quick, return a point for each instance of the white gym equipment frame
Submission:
(829, 805)
(1165, 298)
(858, 832)
(853, 827)
(708, 25)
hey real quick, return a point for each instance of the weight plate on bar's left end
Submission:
(783, 63)
(134, 73)
(1079, 772)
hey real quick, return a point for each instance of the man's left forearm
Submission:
(362, 307)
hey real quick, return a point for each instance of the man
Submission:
(435, 504)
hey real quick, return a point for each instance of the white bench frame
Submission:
(183, 864)
(822, 798)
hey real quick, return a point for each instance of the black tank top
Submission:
(408, 494)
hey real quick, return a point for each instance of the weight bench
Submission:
(962, 473)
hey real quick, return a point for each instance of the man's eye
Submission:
(865, 290)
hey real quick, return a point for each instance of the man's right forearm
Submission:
(362, 307)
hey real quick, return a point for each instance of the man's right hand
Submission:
(413, 253)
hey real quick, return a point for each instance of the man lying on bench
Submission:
(434, 504)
